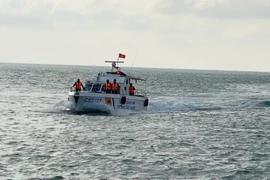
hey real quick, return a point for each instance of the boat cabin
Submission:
(98, 85)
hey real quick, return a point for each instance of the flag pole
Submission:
(117, 62)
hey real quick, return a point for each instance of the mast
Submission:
(115, 62)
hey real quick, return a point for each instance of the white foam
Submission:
(172, 104)
(61, 106)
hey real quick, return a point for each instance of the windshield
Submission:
(96, 88)
(88, 87)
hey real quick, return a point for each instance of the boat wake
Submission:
(60, 107)
(163, 106)
(168, 106)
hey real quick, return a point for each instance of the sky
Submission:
(182, 34)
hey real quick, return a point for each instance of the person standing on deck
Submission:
(114, 87)
(131, 90)
(108, 87)
(78, 85)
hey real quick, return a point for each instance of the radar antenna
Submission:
(115, 66)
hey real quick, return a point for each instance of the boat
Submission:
(94, 97)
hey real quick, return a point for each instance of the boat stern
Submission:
(73, 97)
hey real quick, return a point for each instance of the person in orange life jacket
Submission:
(131, 90)
(108, 86)
(78, 85)
(114, 87)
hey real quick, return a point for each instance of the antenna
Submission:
(133, 61)
(134, 58)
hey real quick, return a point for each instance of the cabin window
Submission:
(88, 87)
(103, 88)
(96, 88)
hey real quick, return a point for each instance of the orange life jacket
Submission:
(78, 85)
(131, 89)
(115, 86)
(108, 86)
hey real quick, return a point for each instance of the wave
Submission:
(264, 104)
(52, 178)
(250, 104)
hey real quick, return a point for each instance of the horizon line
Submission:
(169, 68)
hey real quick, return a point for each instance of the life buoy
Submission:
(123, 100)
(146, 102)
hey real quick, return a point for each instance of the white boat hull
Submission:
(109, 103)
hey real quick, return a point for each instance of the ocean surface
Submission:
(199, 125)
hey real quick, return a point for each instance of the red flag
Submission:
(121, 56)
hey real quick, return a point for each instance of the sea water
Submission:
(199, 125)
